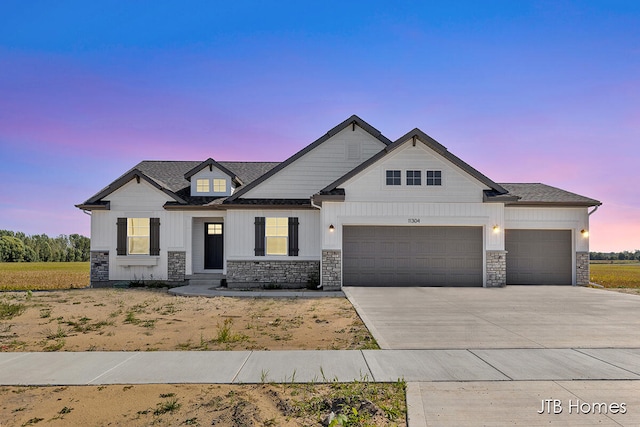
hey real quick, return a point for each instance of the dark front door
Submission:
(213, 246)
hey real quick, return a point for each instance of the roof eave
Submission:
(555, 204)
(94, 207)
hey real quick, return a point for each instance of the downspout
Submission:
(594, 210)
(86, 212)
(319, 208)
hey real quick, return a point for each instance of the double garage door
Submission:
(412, 256)
(450, 256)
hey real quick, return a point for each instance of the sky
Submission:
(524, 91)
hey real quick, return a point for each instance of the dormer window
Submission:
(219, 185)
(202, 186)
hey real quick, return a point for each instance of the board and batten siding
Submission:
(137, 200)
(457, 186)
(411, 215)
(319, 167)
(547, 218)
(240, 225)
(195, 263)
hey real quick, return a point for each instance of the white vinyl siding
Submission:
(457, 186)
(240, 225)
(319, 167)
(137, 200)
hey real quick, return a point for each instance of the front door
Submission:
(213, 246)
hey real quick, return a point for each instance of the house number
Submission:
(414, 220)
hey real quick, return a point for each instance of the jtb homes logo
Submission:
(556, 406)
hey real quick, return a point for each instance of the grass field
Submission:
(43, 275)
(616, 275)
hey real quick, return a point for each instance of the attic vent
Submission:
(353, 151)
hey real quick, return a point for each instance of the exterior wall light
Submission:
(585, 233)
(496, 228)
(331, 228)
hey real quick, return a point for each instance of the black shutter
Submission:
(260, 225)
(293, 236)
(121, 246)
(154, 236)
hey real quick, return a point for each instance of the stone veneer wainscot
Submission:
(331, 270)
(496, 269)
(176, 265)
(99, 267)
(582, 268)
(272, 272)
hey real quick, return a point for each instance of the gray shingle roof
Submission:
(170, 175)
(542, 194)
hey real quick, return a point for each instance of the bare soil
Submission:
(200, 405)
(147, 320)
(151, 320)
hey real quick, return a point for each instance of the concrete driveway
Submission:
(511, 317)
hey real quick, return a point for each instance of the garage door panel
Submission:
(538, 257)
(412, 256)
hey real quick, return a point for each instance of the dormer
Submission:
(211, 179)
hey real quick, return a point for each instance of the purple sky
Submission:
(523, 91)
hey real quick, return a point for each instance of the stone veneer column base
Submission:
(176, 265)
(582, 269)
(331, 270)
(99, 261)
(285, 274)
(496, 269)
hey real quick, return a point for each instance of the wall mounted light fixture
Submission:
(585, 233)
(331, 228)
(496, 228)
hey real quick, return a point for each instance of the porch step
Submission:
(212, 280)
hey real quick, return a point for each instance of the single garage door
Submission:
(538, 257)
(412, 256)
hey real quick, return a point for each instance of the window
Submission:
(138, 236)
(276, 236)
(414, 178)
(434, 178)
(202, 186)
(219, 185)
(213, 229)
(393, 177)
(277, 233)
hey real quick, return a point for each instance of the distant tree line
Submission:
(18, 247)
(615, 256)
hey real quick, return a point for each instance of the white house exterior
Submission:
(351, 209)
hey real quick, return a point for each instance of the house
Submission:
(351, 209)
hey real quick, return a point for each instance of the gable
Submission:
(456, 185)
(319, 166)
(211, 180)
(137, 196)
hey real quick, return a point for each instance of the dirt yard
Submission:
(199, 405)
(144, 320)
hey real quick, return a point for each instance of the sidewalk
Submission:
(84, 368)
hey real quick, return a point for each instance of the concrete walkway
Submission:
(300, 366)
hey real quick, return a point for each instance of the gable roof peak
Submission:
(211, 164)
